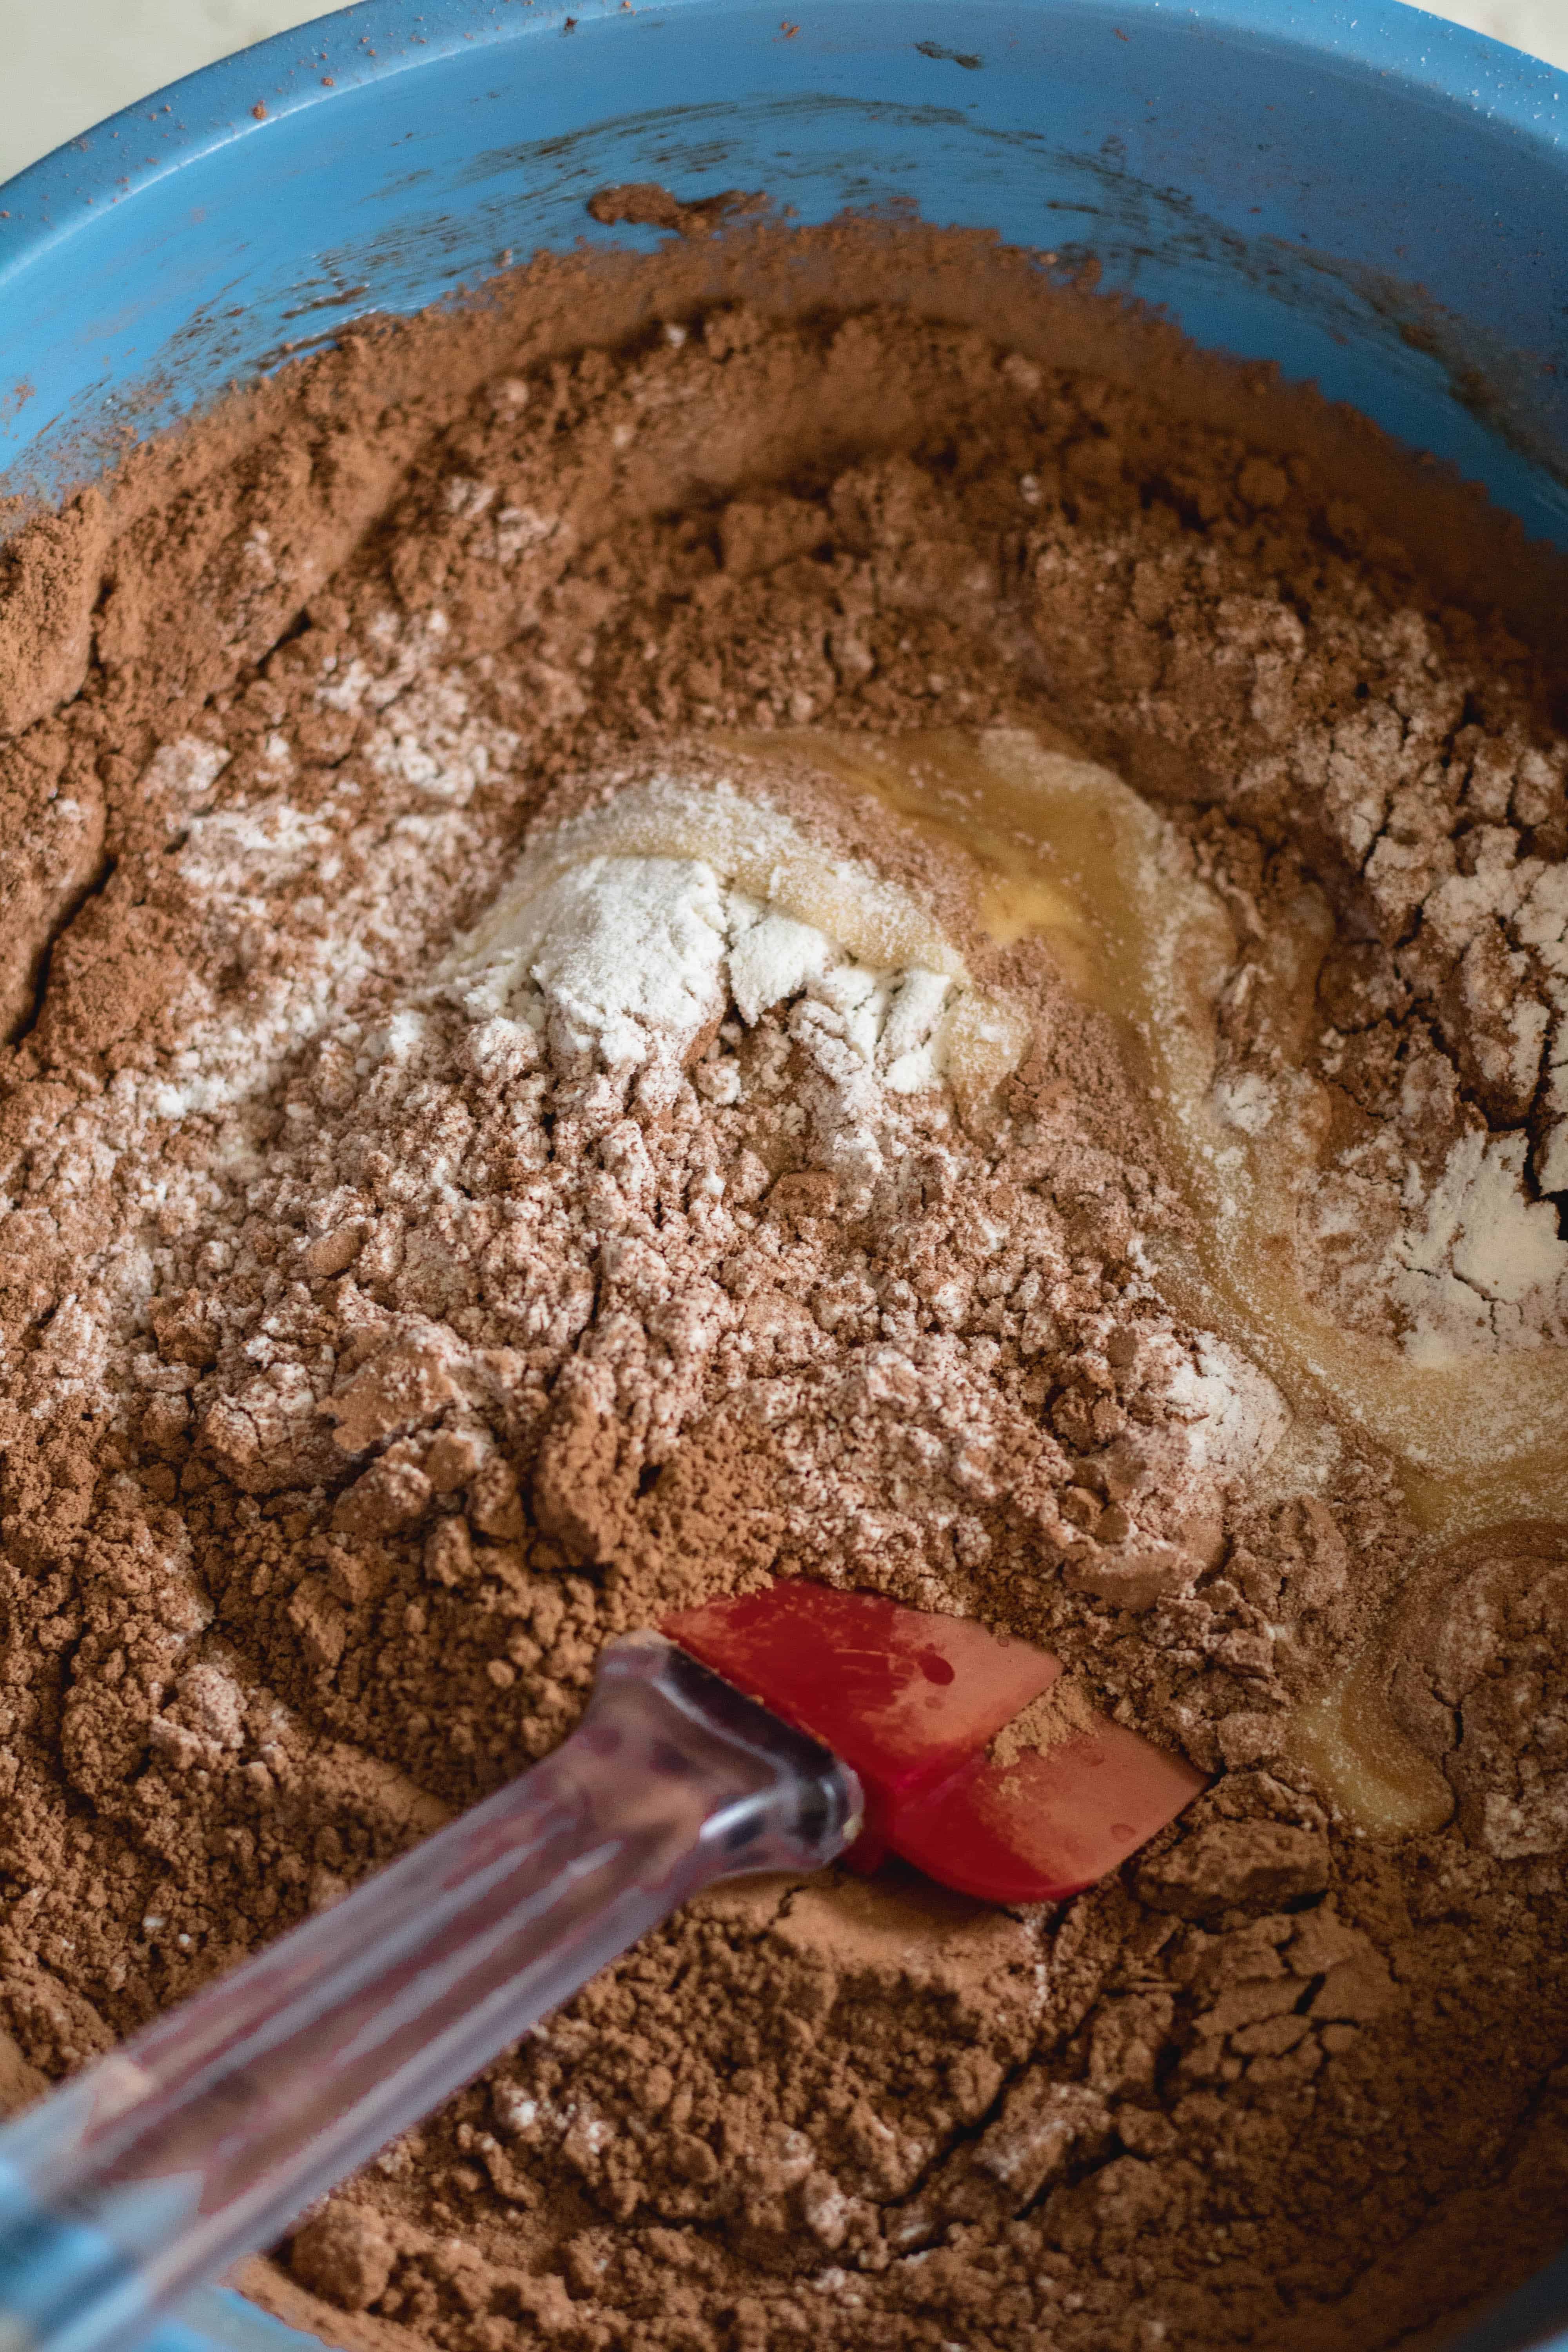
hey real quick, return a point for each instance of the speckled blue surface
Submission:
(1373, 199)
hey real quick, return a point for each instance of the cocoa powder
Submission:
(382, 1334)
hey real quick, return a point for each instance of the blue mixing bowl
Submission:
(1370, 198)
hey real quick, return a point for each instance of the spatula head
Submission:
(905, 1697)
(912, 1701)
(1051, 1822)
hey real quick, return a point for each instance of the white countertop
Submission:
(67, 63)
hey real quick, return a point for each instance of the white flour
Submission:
(627, 959)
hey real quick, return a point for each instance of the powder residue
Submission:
(488, 1153)
(1064, 1712)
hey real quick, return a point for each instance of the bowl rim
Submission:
(328, 56)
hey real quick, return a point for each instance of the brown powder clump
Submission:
(1063, 1712)
(379, 1338)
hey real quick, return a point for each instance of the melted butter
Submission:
(1032, 818)
(1065, 851)
(1364, 1762)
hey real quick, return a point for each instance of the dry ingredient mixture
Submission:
(492, 1147)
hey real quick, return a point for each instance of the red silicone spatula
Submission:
(208, 2132)
(1048, 1823)
(912, 1701)
(905, 1697)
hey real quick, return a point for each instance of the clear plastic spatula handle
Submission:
(201, 2139)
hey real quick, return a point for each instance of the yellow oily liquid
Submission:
(1360, 1755)
(1065, 850)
